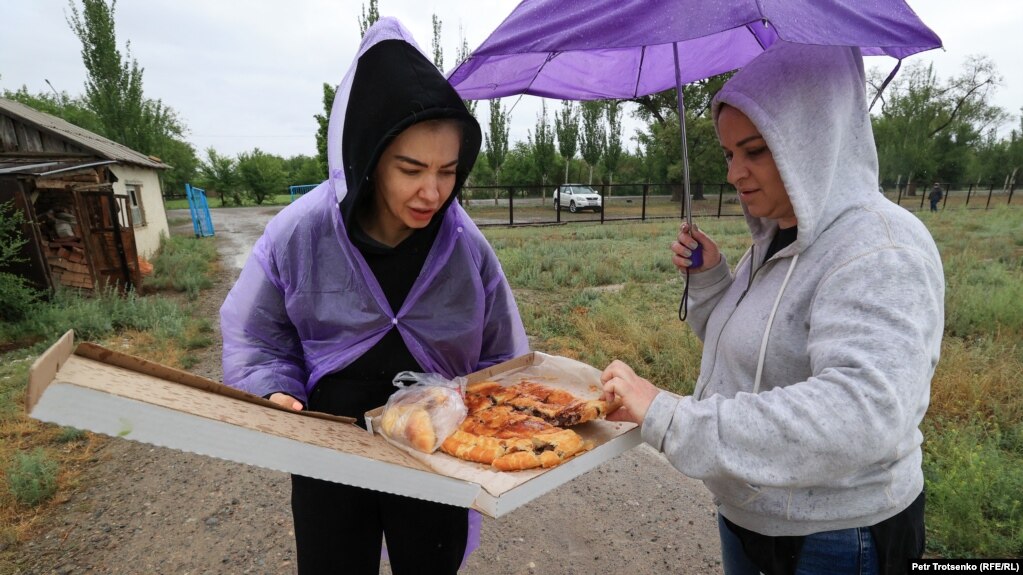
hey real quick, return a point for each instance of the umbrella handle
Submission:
(696, 257)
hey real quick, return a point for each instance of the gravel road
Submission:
(141, 509)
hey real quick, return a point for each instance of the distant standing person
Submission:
(936, 194)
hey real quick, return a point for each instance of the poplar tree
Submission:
(495, 142)
(542, 144)
(613, 153)
(322, 123)
(369, 17)
(438, 51)
(462, 56)
(566, 125)
(113, 85)
(592, 134)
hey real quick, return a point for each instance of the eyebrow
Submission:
(416, 162)
(749, 139)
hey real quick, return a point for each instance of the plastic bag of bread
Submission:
(425, 411)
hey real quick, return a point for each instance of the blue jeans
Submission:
(843, 552)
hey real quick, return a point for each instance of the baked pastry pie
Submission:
(520, 426)
(421, 416)
(555, 406)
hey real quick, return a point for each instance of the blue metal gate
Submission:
(297, 191)
(201, 221)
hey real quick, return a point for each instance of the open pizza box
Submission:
(104, 391)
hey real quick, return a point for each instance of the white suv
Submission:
(577, 197)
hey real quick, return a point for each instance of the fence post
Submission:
(898, 199)
(968, 193)
(603, 201)
(990, 191)
(511, 207)
(923, 196)
(721, 195)
(642, 213)
(948, 188)
(1012, 188)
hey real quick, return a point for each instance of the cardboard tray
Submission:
(108, 392)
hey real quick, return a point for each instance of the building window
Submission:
(138, 215)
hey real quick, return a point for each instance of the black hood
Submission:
(394, 87)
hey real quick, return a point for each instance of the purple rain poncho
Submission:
(307, 304)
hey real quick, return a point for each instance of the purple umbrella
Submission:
(602, 49)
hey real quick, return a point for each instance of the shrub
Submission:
(17, 297)
(16, 294)
(183, 264)
(974, 504)
(32, 477)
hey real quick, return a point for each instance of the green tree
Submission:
(519, 169)
(463, 55)
(219, 175)
(613, 153)
(593, 134)
(928, 129)
(262, 174)
(566, 126)
(183, 162)
(63, 106)
(495, 141)
(661, 141)
(302, 170)
(113, 87)
(323, 123)
(369, 17)
(438, 50)
(541, 145)
(17, 295)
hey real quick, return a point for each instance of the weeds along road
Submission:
(143, 509)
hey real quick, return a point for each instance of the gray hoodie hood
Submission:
(814, 124)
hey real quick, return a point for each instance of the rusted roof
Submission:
(43, 166)
(90, 141)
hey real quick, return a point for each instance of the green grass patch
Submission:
(184, 264)
(275, 200)
(974, 492)
(32, 477)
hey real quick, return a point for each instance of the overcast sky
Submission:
(252, 77)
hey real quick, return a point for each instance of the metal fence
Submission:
(962, 196)
(522, 205)
(534, 205)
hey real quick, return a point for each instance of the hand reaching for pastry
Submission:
(634, 394)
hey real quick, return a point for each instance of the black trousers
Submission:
(339, 528)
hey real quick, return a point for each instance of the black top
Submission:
(366, 383)
(782, 238)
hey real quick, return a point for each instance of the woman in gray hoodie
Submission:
(819, 348)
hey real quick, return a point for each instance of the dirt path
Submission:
(148, 510)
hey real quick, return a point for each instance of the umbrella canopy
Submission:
(621, 49)
(601, 49)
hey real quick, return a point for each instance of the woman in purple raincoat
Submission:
(374, 272)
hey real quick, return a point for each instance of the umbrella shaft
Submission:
(686, 196)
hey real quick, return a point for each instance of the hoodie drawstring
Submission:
(770, 322)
